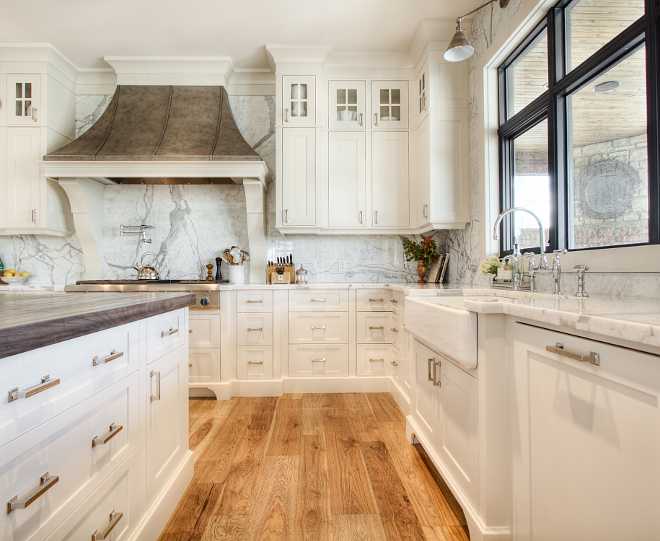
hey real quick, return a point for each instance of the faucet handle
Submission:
(532, 260)
(580, 268)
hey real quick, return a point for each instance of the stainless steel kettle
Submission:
(147, 272)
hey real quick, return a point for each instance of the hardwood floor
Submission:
(322, 467)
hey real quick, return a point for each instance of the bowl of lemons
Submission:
(12, 276)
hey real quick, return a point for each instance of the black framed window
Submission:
(579, 109)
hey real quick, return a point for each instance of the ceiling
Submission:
(87, 30)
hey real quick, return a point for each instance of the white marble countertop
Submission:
(626, 318)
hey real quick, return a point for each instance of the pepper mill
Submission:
(209, 275)
(218, 271)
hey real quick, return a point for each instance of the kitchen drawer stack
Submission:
(379, 335)
(254, 335)
(70, 440)
(318, 333)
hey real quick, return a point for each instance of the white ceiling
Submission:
(87, 30)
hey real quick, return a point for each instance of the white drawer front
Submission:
(254, 301)
(397, 331)
(318, 301)
(63, 448)
(306, 328)
(316, 360)
(119, 495)
(203, 331)
(165, 333)
(72, 363)
(374, 360)
(203, 365)
(254, 362)
(374, 300)
(254, 329)
(374, 328)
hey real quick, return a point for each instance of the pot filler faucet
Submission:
(543, 263)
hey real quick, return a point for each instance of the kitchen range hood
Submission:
(154, 134)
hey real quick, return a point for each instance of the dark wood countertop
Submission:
(33, 320)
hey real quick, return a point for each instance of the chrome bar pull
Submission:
(46, 383)
(376, 360)
(35, 215)
(361, 116)
(45, 483)
(376, 217)
(318, 360)
(376, 328)
(255, 330)
(436, 381)
(430, 376)
(361, 219)
(154, 397)
(169, 332)
(286, 216)
(317, 300)
(322, 328)
(114, 520)
(376, 300)
(105, 438)
(593, 358)
(113, 355)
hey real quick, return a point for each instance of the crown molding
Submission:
(296, 54)
(156, 70)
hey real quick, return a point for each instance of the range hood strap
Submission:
(217, 131)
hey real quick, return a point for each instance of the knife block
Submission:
(287, 274)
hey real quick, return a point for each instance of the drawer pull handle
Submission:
(436, 381)
(154, 397)
(170, 332)
(189, 331)
(430, 376)
(394, 301)
(319, 328)
(46, 383)
(111, 357)
(394, 329)
(394, 363)
(45, 483)
(258, 362)
(317, 300)
(318, 360)
(376, 360)
(376, 328)
(256, 330)
(105, 438)
(254, 302)
(376, 300)
(114, 520)
(190, 365)
(593, 358)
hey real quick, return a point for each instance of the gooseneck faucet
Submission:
(543, 264)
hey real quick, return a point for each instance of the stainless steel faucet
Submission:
(556, 269)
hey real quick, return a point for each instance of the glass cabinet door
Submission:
(23, 96)
(346, 105)
(421, 105)
(389, 105)
(298, 101)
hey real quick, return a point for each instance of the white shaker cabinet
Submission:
(347, 182)
(389, 105)
(346, 105)
(584, 439)
(298, 101)
(390, 179)
(298, 177)
(23, 178)
(427, 397)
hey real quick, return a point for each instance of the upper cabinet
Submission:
(299, 177)
(346, 105)
(391, 189)
(389, 105)
(37, 116)
(421, 106)
(298, 101)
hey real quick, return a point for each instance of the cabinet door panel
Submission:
(204, 330)
(423, 172)
(299, 101)
(346, 105)
(23, 177)
(389, 105)
(391, 190)
(204, 365)
(299, 176)
(347, 190)
(425, 407)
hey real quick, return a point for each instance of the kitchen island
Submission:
(94, 426)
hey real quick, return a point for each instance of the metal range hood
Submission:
(162, 124)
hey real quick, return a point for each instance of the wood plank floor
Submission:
(322, 467)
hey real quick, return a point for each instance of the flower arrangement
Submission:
(489, 265)
(426, 250)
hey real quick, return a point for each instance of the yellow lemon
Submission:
(26, 273)
(8, 274)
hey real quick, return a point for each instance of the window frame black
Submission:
(552, 105)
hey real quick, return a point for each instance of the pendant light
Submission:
(459, 46)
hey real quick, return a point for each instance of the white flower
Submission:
(489, 265)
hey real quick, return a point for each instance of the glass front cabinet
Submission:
(23, 97)
(299, 101)
(346, 105)
(389, 105)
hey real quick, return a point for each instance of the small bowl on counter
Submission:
(14, 280)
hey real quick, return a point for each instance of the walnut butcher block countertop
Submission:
(30, 321)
